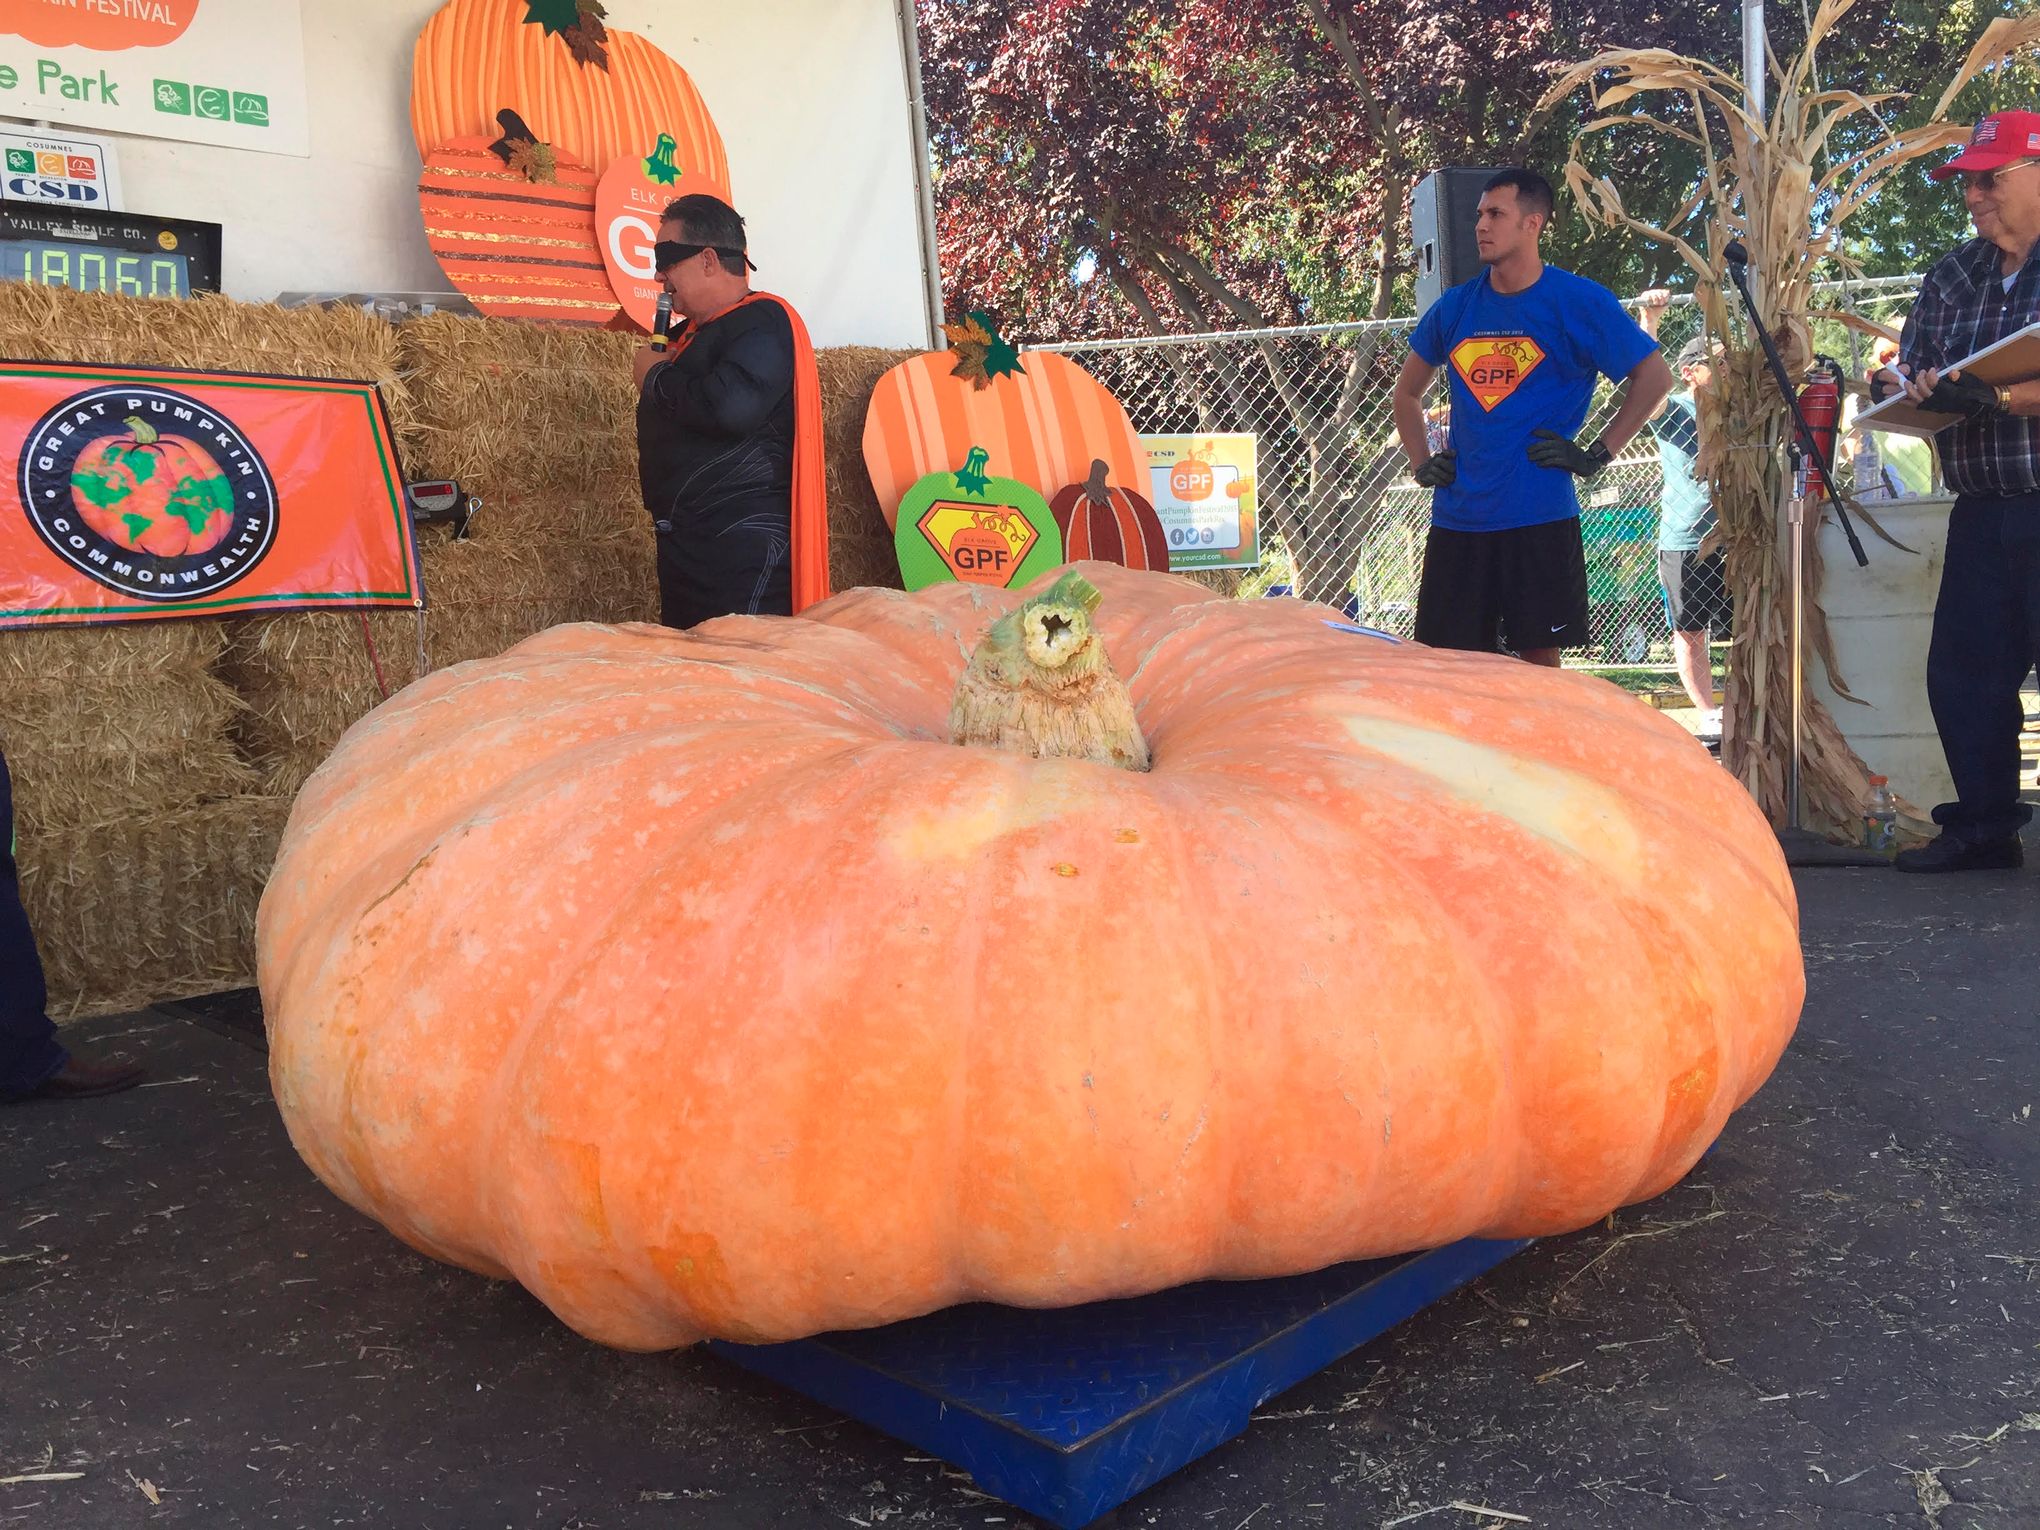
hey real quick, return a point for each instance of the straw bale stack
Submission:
(113, 724)
(150, 908)
(860, 543)
(538, 421)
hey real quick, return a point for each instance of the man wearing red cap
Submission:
(1987, 620)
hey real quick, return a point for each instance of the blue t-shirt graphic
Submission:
(1519, 363)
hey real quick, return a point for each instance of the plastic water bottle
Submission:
(1880, 818)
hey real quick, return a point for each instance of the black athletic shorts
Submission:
(1524, 588)
(1696, 591)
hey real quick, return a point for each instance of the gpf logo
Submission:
(148, 492)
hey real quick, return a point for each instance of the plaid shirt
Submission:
(1962, 307)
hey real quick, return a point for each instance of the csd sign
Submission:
(26, 188)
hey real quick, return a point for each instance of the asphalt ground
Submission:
(1833, 1322)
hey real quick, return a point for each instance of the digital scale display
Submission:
(88, 268)
(128, 253)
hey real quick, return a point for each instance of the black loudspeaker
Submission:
(1442, 214)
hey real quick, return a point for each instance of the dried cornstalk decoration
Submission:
(1761, 186)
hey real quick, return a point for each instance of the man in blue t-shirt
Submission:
(1524, 344)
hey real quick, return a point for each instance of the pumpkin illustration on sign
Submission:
(102, 28)
(968, 525)
(630, 203)
(1113, 525)
(1043, 418)
(152, 493)
(595, 93)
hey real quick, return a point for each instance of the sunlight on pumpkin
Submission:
(1561, 806)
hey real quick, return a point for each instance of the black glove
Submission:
(1549, 449)
(1439, 469)
(1970, 397)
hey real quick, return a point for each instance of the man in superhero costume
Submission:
(729, 433)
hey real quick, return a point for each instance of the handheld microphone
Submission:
(1735, 254)
(662, 322)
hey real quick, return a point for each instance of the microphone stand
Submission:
(1802, 848)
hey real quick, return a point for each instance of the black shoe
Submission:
(82, 1079)
(1949, 853)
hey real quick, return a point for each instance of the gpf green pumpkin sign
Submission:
(971, 526)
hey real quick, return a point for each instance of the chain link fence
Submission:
(1341, 522)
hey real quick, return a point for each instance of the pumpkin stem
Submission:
(143, 432)
(1039, 684)
(1095, 488)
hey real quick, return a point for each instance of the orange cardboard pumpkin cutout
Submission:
(630, 200)
(518, 241)
(1042, 416)
(595, 94)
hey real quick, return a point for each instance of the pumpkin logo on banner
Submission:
(148, 492)
(630, 203)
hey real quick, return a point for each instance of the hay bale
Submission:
(107, 724)
(306, 678)
(860, 543)
(160, 908)
(206, 333)
(527, 415)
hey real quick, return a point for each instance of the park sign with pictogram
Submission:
(973, 527)
(228, 72)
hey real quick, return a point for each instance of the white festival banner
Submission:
(228, 72)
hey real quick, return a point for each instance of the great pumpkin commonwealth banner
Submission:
(155, 493)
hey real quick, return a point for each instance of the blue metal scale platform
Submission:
(1069, 1413)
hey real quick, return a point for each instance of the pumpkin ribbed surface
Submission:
(697, 982)
(517, 249)
(476, 57)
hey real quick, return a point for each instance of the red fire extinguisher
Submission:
(1820, 401)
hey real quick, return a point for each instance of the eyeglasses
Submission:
(1986, 180)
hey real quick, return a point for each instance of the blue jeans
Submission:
(29, 1053)
(1986, 641)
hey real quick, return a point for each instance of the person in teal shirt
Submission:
(1695, 585)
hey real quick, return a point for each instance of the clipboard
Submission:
(2012, 359)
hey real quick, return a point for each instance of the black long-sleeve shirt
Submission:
(715, 463)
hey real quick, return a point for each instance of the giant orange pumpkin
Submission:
(700, 983)
(593, 104)
(1041, 416)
